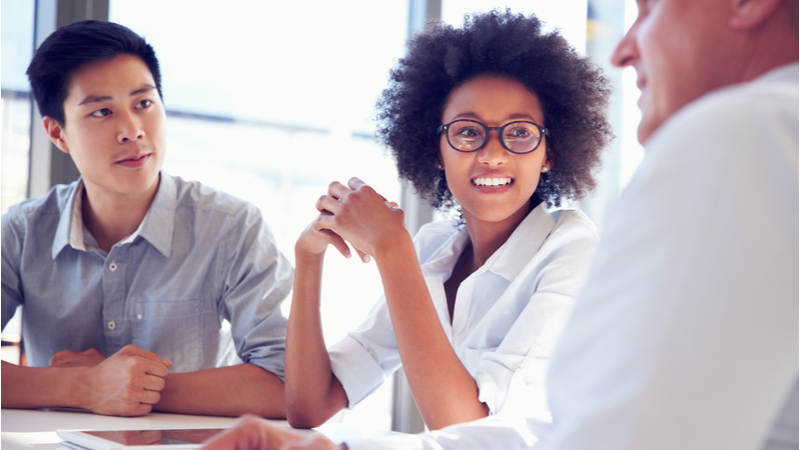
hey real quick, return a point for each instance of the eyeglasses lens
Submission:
(519, 137)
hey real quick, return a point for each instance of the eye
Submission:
(101, 112)
(518, 132)
(144, 104)
(467, 131)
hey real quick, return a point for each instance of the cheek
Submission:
(78, 140)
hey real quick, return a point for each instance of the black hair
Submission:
(572, 91)
(71, 47)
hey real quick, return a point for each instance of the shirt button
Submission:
(112, 325)
(139, 316)
(112, 267)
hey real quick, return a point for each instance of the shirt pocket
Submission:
(172, 329)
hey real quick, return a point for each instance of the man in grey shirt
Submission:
(128, 277)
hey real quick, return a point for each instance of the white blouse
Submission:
(515, 304)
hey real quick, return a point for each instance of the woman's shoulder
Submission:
(433, 235)
(573, 222)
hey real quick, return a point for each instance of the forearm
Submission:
(224, 391)
(313, 394)
(444, 390)
(38, 387)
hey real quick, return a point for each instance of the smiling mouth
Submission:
(492, 182)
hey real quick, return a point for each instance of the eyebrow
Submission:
(98, 98)
(472, 115)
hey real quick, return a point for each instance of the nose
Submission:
(130, 127)
(493, 153)
(626, 52)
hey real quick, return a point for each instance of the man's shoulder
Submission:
(575, 222)
(204, 199)
(775, 93)
(734, 118)
(51, 204)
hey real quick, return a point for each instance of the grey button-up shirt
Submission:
(200, 257)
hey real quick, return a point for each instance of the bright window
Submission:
(15, 107)
(271, 101)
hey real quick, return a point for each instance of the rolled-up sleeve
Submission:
(365, 357)
(11, 290)
(515, 371)
(259, 278)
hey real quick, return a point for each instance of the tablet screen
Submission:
(156, 437)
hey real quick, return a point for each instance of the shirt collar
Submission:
(788, 72)
(70, 219)
(157, 226)
(159, 223)
(509, 260)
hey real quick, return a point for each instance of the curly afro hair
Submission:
(572, 91)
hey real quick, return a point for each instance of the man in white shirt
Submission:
(686, 334)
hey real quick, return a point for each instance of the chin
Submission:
(139, 184)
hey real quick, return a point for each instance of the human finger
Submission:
(323, 225)
(338, 190)
(138, 410)
(310, 443)
(337, 242)
(153, 383)
(151, 367)
(364, 257)
(328, 204)
(63, 358)
(132, 350)
(149, 397)
(355, 183)
(249, 433)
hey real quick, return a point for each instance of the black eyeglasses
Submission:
(519, 137)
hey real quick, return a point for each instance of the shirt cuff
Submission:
(493, 378)
(355, 368)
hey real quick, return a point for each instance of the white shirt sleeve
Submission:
(484, 434)
(511, 379)
(686, 335)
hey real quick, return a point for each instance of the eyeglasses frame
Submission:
(542, 131)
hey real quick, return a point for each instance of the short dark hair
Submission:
(71, 47)
(572, 91)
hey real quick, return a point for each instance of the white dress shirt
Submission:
(514, 305)
(686, 334)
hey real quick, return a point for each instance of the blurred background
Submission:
(271, 101)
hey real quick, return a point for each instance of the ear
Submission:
(749, 14)
(55, 131)
(547, 164)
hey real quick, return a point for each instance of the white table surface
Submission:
(36, 429)
(26, 429)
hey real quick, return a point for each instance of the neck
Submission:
(111, 217)
(487, 237)
(767, 47)
(768, 58)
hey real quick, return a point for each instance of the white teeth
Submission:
(492, 182)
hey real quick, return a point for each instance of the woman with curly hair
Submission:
(505, 122)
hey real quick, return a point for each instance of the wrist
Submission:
(73, 385)
(302, 254)
(399, 246)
